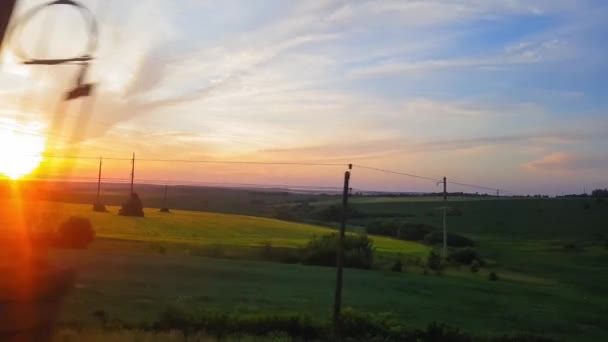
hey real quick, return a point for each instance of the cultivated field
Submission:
(140, 266)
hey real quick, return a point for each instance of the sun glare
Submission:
(10, 65)
(20, 154)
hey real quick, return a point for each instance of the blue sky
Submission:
(506, 93)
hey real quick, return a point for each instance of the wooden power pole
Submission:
(132, 172)
(340, 253)
(99, 181)
(445, 221)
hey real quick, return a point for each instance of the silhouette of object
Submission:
(99, 207)
(165, 210)
(29, 313)
(132, 207)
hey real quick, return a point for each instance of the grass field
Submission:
(543, 288)
(135, 287)
(193, 228)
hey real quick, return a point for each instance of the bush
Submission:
(283, 213)
(493, 276)
(75, 232)
(433, 261)
(572, 247)
(475, 266)
(358, 251)
(454, 240)
(266, 251)
(464, 256)
(415, 231)
(402, 231)
(397, 266)
(454, 212)
(353, 326)
(383, 228)
(333, 213)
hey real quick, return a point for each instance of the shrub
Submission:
(397, 266)
(333, 213)
(266, 250)
(454, 240)
(475, 266)
(403, 231)
(353, 326)
(493, 276)
(433, 261)
(383, 228)
(464, 255)
(454, 212)
(75, 232)
(102, 316)
(572, 247)
(283, 213)
(358, 251)
(415, 231)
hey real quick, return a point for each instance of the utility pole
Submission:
(445, 220)
(132, 172)
(99, 181)
(340, 253)
(497, 192)
(165, 197)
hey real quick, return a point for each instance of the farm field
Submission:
(138, 267)
(188, 227)
(136, 287)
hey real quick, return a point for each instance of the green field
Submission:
(543, 287)
(195, 228)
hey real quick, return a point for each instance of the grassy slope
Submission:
(542, 288)
(195, 227)
(538, 218)
(138, 287)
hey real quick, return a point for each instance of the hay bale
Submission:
(132, 207)
(165, 210)
(99, 207)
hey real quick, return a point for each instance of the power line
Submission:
(431, 178)
(199, 161)
(178, 182)
(395, 172)
(475, 186)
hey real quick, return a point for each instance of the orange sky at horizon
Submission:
(289, 88)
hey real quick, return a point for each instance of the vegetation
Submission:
(75, 232)
(358, 251)
(541, 288)
(178, 323)
(397, 266)
(454, 240)
(475, 266)
(464, 256)
(433, 261)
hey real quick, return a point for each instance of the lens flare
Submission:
(20, 152)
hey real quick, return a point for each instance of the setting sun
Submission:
(21, 153)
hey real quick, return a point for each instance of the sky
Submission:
(505, 94)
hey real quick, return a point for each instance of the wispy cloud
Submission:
(558, 162)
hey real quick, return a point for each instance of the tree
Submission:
(433, 261)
